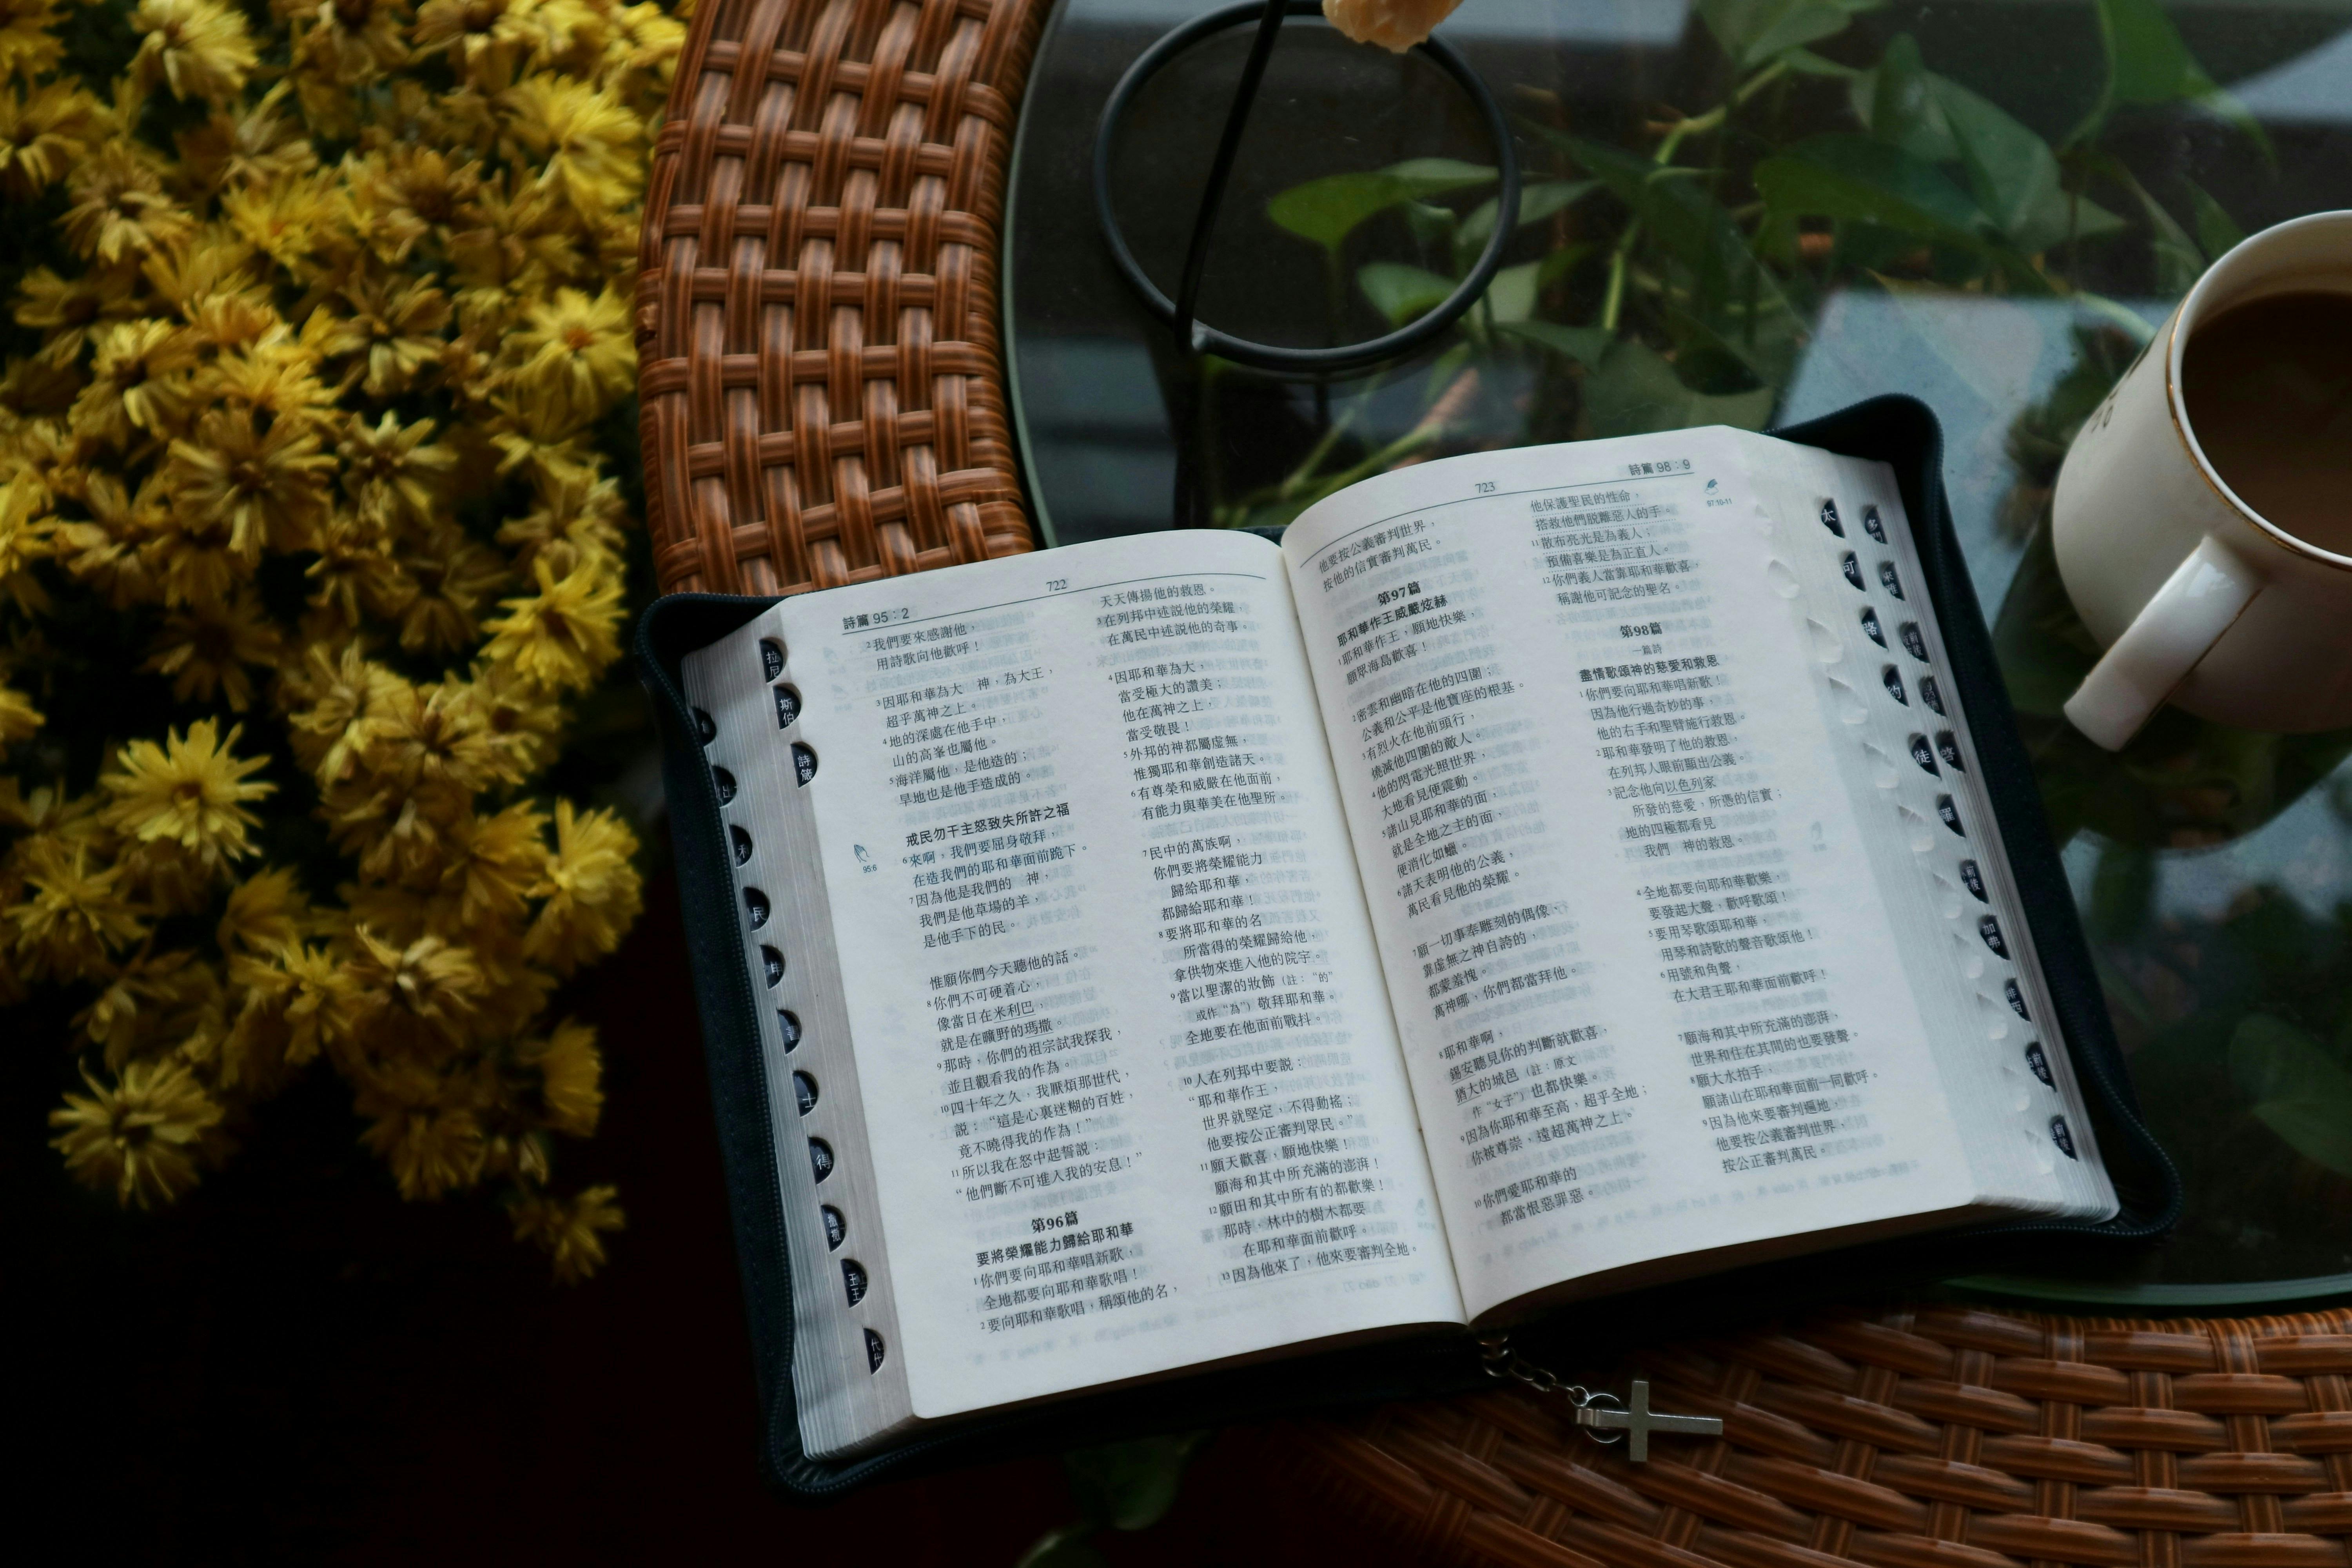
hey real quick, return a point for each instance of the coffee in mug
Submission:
(2203, 522)
(2268, 388)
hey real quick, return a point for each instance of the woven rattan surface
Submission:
(823, 403)
(822, 399)
(1951, 1438)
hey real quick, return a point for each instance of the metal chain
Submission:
(1504, 1364)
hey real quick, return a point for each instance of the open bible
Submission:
(1544, 873)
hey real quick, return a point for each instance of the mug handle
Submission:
(2202, 598)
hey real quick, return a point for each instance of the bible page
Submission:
(1651, 1003)
(1134, 1096)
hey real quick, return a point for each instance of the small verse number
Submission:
(1485, 487)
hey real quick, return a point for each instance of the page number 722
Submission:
(1485, 487)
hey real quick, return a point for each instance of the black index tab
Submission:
(1913, 642)
(1829, 519)
(1973, 881)
(1872, 526)
(772, 658)
(1989, 928)
(2016, 995)
(1922, 753)
(1853, 570)
(1950, 815)
(1948, 746)
(1888, 580)
(2040, 1063)
(1893, 679)
(1929, 694)
(1870, 626)
(788, 707)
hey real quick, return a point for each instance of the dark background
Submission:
(292, 1365)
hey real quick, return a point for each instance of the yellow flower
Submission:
(357, 40)
(398, 326)
(264, 484)
(69, 310)
(485, 38)
(429, 983)
(294, 221)
(72, 915)
(424, 1130)
(27, 535)
(577, 517)
(207, 647)
(570, 1229)
(334, 702)
(162, 1000)
(571, 1077)
(255, 147)
(191, 791)
(265, 911)
(591, 888)
(585, 140)
(563, 636)
(396, 474)
(199, 47)
(577, 352)
(138, 382)
(119, 209)
(139, 1137)
(403, 194)
(355, 575)
(18, 717)
(104, 551)
(42, 134)
(28, 45)
(452, 577)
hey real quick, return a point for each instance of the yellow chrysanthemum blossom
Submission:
(199, 48)
(138, 1136)
(570, 1229)
(305, 439)
(192, 791)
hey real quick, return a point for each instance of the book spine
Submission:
(845, 1366)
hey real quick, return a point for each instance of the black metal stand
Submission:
(1194, 338)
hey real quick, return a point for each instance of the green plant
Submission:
(1678, 265)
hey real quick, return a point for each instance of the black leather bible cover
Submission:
(1899, 431)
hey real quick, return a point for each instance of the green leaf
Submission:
(1686, 222)
(1804, 62)
(1511, 296)
(2014, 175)
(1401, 292)
(1754, 31)
(1896, 101)
(1328, 210)
(1857, 179)
(1635, 391)
(1586, 345)
(1133, 1485)
(1537, 201)
(1070, 1546)
(2299, 1091)
(2217, 231)
(2147, 64)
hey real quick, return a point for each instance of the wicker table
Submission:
(823, 402)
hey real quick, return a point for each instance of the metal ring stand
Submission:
(1200, 339)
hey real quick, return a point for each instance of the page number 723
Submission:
(1485, 487)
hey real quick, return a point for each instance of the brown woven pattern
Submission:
(816, 298)
(1951, 1438)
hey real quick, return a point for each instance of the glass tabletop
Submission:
(1752, 212)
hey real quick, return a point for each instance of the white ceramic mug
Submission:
(2197, 597)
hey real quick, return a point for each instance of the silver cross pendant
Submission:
(1638, 1421)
